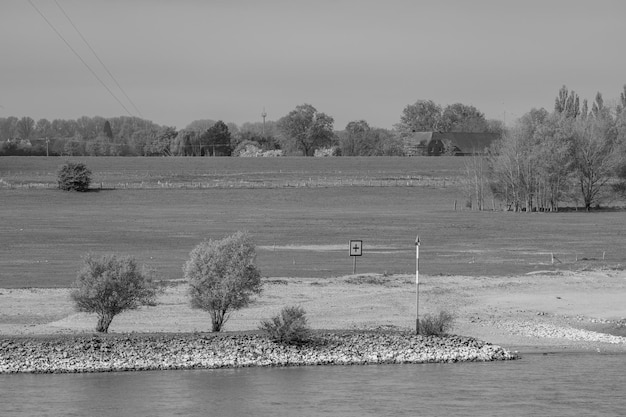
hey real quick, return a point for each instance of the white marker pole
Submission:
(417, 284)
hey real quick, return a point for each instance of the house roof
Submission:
(466, 142)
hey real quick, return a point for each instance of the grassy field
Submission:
(299, 231)
(181, 172)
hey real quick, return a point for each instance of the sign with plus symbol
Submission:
(356, 247)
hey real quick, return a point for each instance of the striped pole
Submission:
(417, 284)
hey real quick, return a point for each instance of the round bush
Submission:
(74, 177)
(289, 327)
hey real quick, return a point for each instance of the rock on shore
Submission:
(134, 352)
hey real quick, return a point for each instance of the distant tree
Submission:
(216, 140)
(74, 146)
(200, 126)
(594, 156)
(8, 128)
(74, 177)
(567, 103)
(109, 286)
(460, 117)
(160, 142)
(43, 128)
(622, 101)
(584, 111)
(388, 142)
(25, 127)
(306, 129)
(598, 109)
(87, 128)
(265, 143)
(222, 276)
(185, 143)
(108, 132)
(422, 116)
(355, 139)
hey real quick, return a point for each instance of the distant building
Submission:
(448, 143)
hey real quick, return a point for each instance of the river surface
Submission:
(539, 384)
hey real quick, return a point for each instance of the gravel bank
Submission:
(108, 353)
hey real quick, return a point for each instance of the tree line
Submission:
(303, 131)
(574, 154)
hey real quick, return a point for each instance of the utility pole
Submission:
(47, 142)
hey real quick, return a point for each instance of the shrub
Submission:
(109, 286)
(289, 327)
(74, 177)
(222, 276)
(437, 324)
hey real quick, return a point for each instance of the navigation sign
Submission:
(356, 247)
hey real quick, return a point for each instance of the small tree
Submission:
(109, 286)
(74, 177)
(222, 276)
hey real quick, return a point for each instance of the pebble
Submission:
(106, 353)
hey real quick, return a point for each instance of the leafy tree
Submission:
(185, 143)
(160, 142)
(110, 285)
(216, 140)
(567, 103)
(306, 129)
(354, 141)
(422, 116)
(222, 276)
(74, 177)
(200, 126)
(107, 130)
(460, 117)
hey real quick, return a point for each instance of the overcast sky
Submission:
(179, 61)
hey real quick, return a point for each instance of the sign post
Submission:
(417, 284)
(356, 249)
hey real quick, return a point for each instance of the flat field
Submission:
(185, 172)
(300, 231)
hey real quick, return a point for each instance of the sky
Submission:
(179, 61)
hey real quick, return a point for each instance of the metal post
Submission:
(354, 267)
(417, 284)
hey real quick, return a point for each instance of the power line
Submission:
(79, 57)
(98, 58)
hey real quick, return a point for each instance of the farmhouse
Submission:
(448, 143)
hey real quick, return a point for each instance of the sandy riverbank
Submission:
(568, 310)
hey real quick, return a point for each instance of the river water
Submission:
(554, 384)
